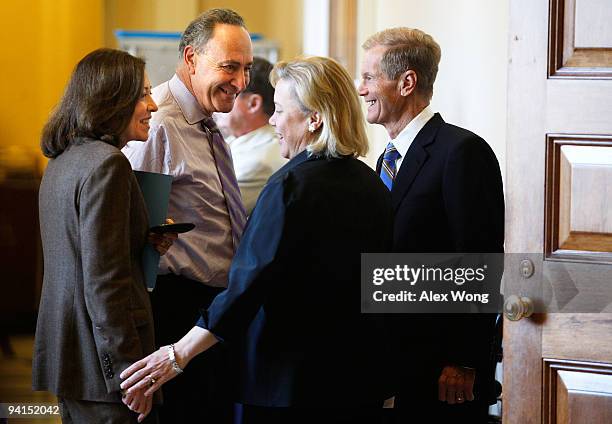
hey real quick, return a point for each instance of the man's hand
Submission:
(456, 384)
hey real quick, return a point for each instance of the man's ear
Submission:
(254, 103)
(190, 58)
(408, 83)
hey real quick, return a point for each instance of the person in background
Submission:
(254, 145)
(213, 69)
(95, 316)
(447, 194)
(292, 310)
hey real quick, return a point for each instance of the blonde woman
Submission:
(292, 307)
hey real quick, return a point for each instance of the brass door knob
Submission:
(516, 308)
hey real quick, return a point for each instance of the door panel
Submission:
(579, 197)
(577, 392)
(558, 363)
(580, 39)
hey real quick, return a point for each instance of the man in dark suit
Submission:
(447, 197)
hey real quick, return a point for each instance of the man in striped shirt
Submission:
(214, 67)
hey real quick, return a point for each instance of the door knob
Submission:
(516, 308)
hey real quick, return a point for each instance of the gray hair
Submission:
(200, 30)
(408, 49)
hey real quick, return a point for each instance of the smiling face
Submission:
(138, 128)
(290, 122)
(382, 95)
(221, 71)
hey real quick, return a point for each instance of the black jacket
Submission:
(447, 198)
(292, 307)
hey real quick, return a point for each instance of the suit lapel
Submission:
(379, 163)
(414, 160)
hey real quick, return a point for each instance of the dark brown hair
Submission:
(260, 83)
(98, 102)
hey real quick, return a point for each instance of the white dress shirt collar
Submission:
(405, 138)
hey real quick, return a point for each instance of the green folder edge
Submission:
(155, 190)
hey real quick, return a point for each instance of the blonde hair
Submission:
(409, 48)
(321, 84)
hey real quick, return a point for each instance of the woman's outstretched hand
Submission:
(150, 373)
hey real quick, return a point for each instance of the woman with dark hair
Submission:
(94, 316)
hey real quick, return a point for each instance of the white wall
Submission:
(316, 15)
(470, 90)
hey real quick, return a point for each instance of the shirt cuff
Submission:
(203, 323)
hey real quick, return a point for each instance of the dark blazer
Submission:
(95, 317)
(447, 198)
(292, 307)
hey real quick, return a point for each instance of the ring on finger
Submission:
(152, 381)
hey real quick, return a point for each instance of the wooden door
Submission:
(558, 366)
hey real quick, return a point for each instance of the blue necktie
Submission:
(227, 176)
(388, 168)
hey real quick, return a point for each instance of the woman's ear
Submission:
(408, 83)
(314, 122)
